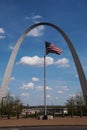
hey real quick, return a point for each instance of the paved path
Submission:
(48, 128)
(35, 122)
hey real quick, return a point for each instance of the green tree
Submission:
(10, 106)
(70, 106)
(17, 106)
(76, 105)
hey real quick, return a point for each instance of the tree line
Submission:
(77, 106)
(10, 106)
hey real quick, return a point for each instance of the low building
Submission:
(52, 110)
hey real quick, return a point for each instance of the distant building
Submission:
(33, 110)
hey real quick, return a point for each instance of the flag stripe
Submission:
(51, 48)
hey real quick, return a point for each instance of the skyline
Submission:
(27, 75)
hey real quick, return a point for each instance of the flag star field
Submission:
(27, 78)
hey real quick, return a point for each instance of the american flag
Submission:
(51, 48)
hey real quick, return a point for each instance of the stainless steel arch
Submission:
(78, 65)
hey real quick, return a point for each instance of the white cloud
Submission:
(48, 88)
(12, 78)
(64, 62)
(72, 95)
(49, 60)
(60, 92)
(48, 96)
(35, 79)
(65, 88)
(39, 61)
(35, 17)
(2, 37)
(2, 31)
(11, 47)
(25, 94)
(56, 98)
(77, 75)
(35, 61)
(27, 86)
(37, 32)
(27, 18)
(39, 88)
(75, 95)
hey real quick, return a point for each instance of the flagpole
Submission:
(44, 85)
(49, 48)
(45, 109)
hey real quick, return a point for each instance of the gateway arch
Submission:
(6, 79)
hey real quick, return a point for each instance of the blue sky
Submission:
(27, 76)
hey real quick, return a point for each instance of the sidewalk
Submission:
(35, 122)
